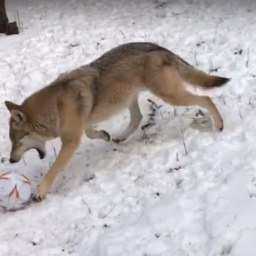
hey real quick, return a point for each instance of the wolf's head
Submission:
(22, 134)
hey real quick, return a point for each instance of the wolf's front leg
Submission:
(67, 151)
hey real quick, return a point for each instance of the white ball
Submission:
(15, 190)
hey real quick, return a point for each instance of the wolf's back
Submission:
(189, 73)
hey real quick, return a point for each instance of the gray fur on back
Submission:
(123, 51)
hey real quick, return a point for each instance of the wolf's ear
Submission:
(11, 106)
(17, 115)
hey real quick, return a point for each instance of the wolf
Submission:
(77, 100)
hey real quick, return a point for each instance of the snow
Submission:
(147, 196)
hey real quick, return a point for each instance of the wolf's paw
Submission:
(220, 125)
(220, 129)
(37, 198)
(41, 192)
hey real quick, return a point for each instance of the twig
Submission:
(172, 169)
(122, 33)
(240, 114)
(88, 207)
(248, 58)
(183, 139)
(177, 157)
(184, 143)
(153, 109)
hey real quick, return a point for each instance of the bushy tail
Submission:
(198, 77)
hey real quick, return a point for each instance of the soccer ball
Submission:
(15, 190)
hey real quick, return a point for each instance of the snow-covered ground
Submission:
(177, 189)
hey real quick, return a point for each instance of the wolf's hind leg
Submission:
(170, 88)
(188, 99)
(135, 119)
(95, 134)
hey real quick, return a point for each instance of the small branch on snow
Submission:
(153, 109)
(182, 136)
(88, 207)
(177, 157)
(151, 121)
(240, 114)
(108, 212)
(123, 34)
(183, 142)
(174, 169)
(247, 58)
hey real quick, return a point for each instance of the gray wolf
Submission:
(77, 100)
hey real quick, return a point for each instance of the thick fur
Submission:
(77, 100)
(198, 77)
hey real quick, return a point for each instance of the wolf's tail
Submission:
(197, 77)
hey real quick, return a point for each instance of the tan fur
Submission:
(81, 98)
